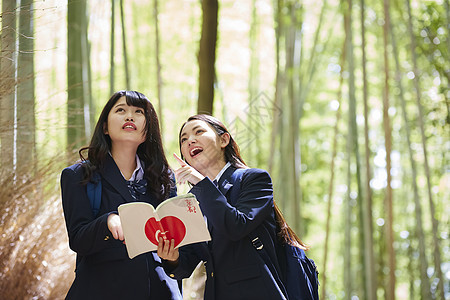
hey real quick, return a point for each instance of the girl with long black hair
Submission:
(127, 156)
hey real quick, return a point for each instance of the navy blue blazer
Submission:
(234, 269)
(104, 270)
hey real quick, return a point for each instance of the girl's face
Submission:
(126, 124)
(201, 146)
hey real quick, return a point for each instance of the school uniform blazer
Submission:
(104, 270)
(234, 268)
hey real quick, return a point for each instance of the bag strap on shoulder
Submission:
(94, 192)
(256, 235)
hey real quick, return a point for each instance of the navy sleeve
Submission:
(253, 205)
(187, 262)
(87, 235)
(173, 186)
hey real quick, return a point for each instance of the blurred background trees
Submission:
(346, 103)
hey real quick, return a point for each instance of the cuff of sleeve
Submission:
(201, 184)
(108, 234)
(169, 267)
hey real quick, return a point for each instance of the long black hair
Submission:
(232, 155)
(151, 151)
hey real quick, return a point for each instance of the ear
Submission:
(224, 139)
(105, 128)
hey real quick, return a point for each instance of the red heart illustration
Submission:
(169, 227)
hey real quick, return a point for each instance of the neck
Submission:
(125, 159)
(212, 171)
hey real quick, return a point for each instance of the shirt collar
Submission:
(138, 173)
(228, 164)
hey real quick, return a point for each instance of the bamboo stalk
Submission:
(390, 291)
(424, 281)
(369, 261)
(434, 222)
(124, 47)
(323, 272)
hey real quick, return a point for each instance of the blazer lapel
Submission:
(225, 180)
(111, 173)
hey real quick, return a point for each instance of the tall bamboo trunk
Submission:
(307, 80)
(26, 147)
(253, 119)
(369, 261)
(207, 56)
(353, 140)
(159, 82)
(424, 281)
(276, 123)
(285, 168)
(434, 222)
(348, 278)
(390, 291)
(323, 272)
(447, 98)
(294, 103)
(347, 223)
(124, 46)
(411, 266)
(77, 79)
(112, 48)
(289, 174)
(8, 63)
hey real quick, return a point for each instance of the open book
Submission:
(177, 218)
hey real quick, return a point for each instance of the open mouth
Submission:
(129, 125)
(195, 151)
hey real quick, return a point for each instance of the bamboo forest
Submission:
(345, 103)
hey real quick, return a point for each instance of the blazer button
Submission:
(212, 274)
(172, 275)
(106, 238)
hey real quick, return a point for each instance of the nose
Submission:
(191, 140)
(129, 117)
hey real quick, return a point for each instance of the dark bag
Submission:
(295, 273)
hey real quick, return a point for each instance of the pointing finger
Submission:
(182, 162)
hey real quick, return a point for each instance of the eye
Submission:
(183, 140)
(140, 111)
(199, 131)
(120, 109)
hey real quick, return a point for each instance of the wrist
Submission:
(197, 180)
(170, 264)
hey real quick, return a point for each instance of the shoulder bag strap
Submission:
(94, 192)
(254, 235)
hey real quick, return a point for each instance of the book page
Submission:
(178, 218)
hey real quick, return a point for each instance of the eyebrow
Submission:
(194, 128)
(120, 104)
